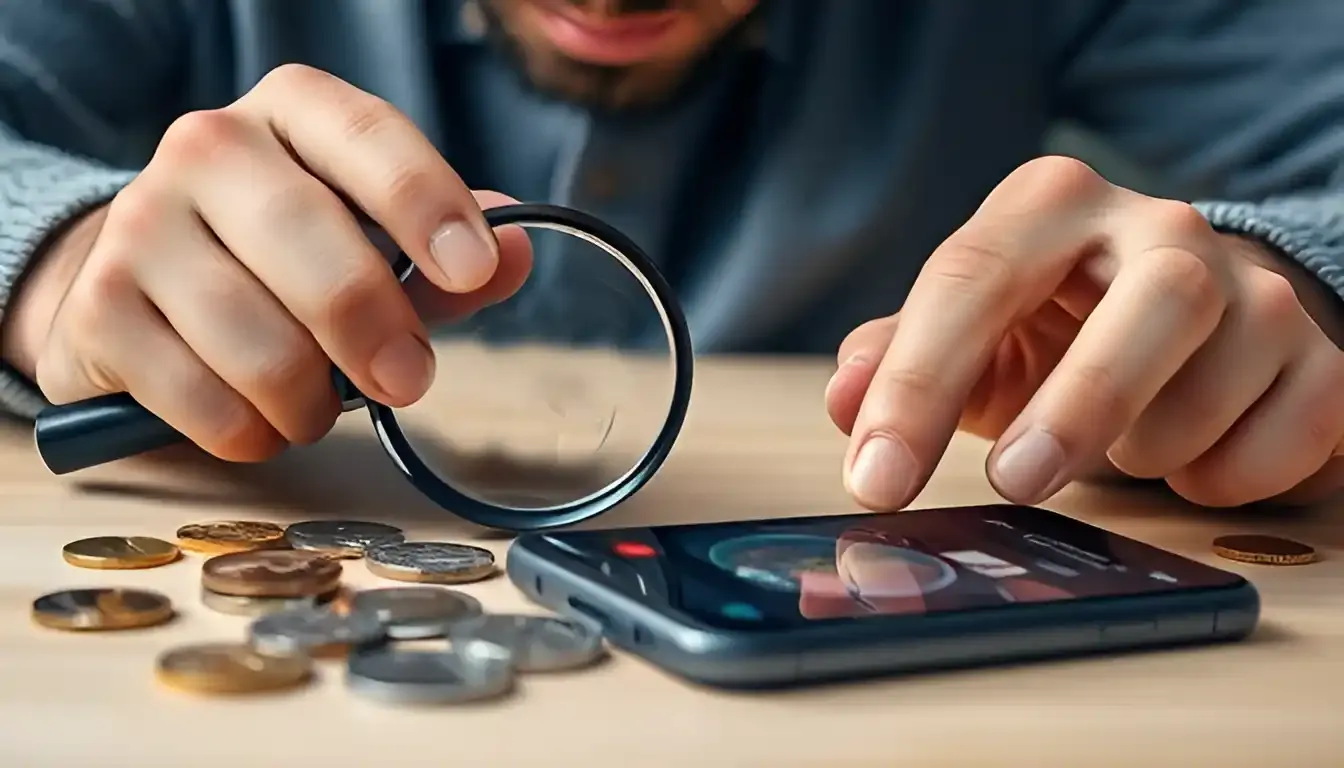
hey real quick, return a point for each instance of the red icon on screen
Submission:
(634, 549)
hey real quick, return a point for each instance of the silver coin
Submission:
(536, 643)
(415, 613)
(236, 605)
(430, 561)
(468, 671)
(341, 538)
(302, 630)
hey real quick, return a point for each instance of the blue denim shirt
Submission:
(796, 191)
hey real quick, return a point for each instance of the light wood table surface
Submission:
(757, 443)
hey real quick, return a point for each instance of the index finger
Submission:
(1004, 263)
(375, 156)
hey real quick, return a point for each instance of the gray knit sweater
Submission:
(795, 196)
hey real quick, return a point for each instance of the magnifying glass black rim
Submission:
(482, 513)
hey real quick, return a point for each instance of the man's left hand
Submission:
(1073, 321)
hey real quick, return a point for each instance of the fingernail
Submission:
(1029, 468)
(882, 473)
(403, 368)
(467, 258)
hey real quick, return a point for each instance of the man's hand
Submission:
(1070, 321)
(219, 286)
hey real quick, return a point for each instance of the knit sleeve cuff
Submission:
(41, 189)
(1308, 229)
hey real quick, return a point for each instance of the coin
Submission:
(1263, 550)
(223, 536)
(413, 613)
(230, 668)
(312, 630)
(271, 573)
(119, 552)
(102, 609)
(341, 538)
(430, 561)
(237, 605)
(536, 643)
(469, 671)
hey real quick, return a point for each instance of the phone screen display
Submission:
(775, 574)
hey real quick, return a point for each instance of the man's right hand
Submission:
(218, 287)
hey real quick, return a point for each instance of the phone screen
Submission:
(774, 574)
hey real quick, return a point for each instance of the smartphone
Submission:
(782, 602)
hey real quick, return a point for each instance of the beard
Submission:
(624, 89)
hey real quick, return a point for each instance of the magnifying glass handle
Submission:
(99, 430)
(112, 427)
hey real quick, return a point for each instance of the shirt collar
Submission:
(772, 27)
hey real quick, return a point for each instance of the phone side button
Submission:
(1122, 632)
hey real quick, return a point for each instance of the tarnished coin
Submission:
(119, 552)
(312, 631)
(536, 643)
(237, 605)
(430, 561)
(341, 538)
(1263, 550)
(230, 668)
(102, 609)
(469, 671)
(271, 573)
(223, 536)
(414, 613)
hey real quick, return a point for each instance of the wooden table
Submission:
(757, 443)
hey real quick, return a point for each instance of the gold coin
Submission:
(230, 668)
(224, 536)
(1263, 550)
(101, 609)
(271, 573)
(119, 552)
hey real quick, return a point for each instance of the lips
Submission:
(612, 40)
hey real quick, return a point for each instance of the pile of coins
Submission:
(289, 582)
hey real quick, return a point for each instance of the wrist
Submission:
(39, 294)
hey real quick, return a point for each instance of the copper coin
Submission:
(1263, 550)
(230, 668)
(223, 536)
(119, 552)
(271, 573)
(101, 609)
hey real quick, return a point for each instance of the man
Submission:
(177, 179)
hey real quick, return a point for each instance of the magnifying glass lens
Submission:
(554, 395)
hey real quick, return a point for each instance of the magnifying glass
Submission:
(547, 409)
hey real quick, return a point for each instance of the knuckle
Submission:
(1274, 303)
(972, 268)
(365, 115)
(1325, 421)
(1183, 276)
(408, 189)
(1098, 399)
(285, 368)
(233, 430)
(289, 76)
(1057, 181)
(357, 294)
(1176, 219)
(135, 215)
(300, 205)
(201, 137)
